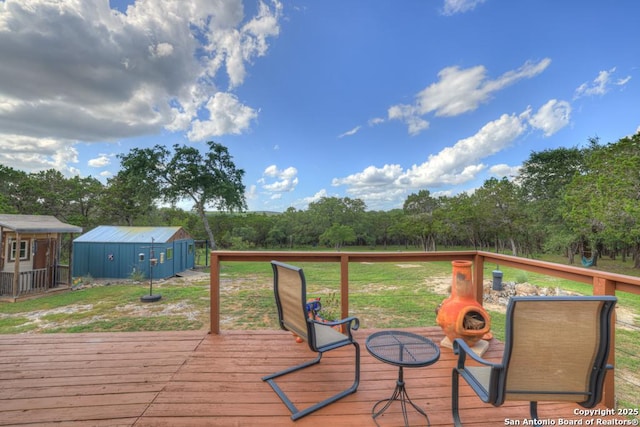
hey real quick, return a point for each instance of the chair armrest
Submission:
(462, 349)
(353, 322)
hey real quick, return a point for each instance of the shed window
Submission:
(169, 253)
(24, 250)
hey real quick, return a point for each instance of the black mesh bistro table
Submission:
(405, 350)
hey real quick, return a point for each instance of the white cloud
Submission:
(459, 91)
(503, 170)
(235, 47)
(451, 7)
(458, 164)
(227, 115)
(251, 193)
(372, 177)
(410, 116)
(601, 84)
(350, 132)
(282, 181)
(161, 50)
(623, 81)
(101, 161)
(551, 117)
(78, 71)
(37, 154)
(304, 203)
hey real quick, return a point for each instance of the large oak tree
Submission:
(209, 180)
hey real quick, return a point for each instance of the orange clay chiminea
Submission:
(460, 315)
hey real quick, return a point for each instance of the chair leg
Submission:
(297, 414)
(533, 409)
(338, 396)
(293, 368)
(455, 380)
(281, 394)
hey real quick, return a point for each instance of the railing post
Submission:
(603, 286)
(214, 291)
(478, 277)
(344, 285)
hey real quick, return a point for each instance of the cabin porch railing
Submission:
(29, 282)
(33, 281)
(603, 283)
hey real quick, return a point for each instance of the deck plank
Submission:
(195, 379)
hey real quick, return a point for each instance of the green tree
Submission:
(337, 235)
(10, 181)
(381, 224)
(543, 180)
(602, 205)
(276, 236)
(421, 220)
(502, 213)
(52, 192)
(5, 205)
(20, 191)
(333, 210)
(462, 220)
(83, 199)
(209, 180)
(126, 199)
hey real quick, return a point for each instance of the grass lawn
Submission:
(382, 295)
(112, 308)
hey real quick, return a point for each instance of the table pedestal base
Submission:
(399, 395)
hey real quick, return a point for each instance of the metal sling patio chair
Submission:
(289, 287)
(556, 349)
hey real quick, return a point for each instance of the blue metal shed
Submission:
(116, 252)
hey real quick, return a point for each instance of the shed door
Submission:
(45, 258)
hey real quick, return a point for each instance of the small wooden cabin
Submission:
(119, 252)
(30, 247)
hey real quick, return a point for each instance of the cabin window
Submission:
(23, 251)
(190, 249)
(169, 253)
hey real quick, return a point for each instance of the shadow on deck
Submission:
(196, 379)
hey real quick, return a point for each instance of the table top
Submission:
(402, 348)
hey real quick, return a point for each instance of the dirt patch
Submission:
(180, 308)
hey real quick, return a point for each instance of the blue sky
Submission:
(365, 99)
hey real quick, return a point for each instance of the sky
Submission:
(368, 99)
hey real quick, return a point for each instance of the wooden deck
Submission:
(197, 379)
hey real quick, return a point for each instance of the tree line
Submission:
(574, 201)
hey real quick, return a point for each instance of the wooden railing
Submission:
(29, 282)
(6, 283)
(33, 281)
(603, 283)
